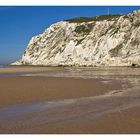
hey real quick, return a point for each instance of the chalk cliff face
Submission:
(101, 41)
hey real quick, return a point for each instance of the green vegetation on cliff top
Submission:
(88, 19)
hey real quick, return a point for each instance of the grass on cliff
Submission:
(88, 19)
(83, 29)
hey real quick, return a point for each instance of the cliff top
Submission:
(89, 19)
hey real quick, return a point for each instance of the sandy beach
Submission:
(62, 101)
(36, 89)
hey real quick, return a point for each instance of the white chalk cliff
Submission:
(112, 40)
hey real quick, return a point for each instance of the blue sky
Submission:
(19, 24)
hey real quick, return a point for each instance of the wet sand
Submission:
(26, 69)
(59, 100)
(120, 122)
(20, 90)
